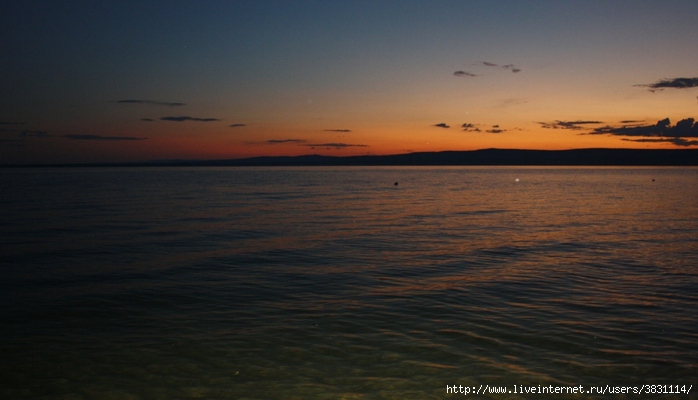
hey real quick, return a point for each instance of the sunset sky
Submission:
(112, 81)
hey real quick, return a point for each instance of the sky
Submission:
(122, 81)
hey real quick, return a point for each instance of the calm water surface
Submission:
(335, 283)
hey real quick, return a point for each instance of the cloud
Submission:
(495, 129)
(487, 64)
(675, 141)
(463, 74)
(574, 125)
(337, 130)
(28, 133)
(510, 102)
(237, 125)
(147, 119)
(12, 123)
(467, 127)
(512, 68)
(185, 118)
(662, 131)
(630, 121)
(442, 125)
(676, 83)
(99, 137)
(337, 146)
(278, 141)
(151, 102)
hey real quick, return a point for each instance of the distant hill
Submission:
(477, 157)
(629, 157)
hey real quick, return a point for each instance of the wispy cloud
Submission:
(186, 118)
(675, 83)
(147, 119)
(495, 129)
(279, 141)
(12, 123)
(237, 125)
(675, 141)
(338, 130)
(662, 131)
(100, 137)
(512, 68)
(573, 125)
(151, 102)
(464, 74)
(468, 127)
(510, 102)
(442, 125)
(489, 65)
(28, 133)
(336, 146)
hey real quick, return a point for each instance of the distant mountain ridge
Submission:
(600, 156)
(609, 157)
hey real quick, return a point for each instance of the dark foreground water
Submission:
(335, 283)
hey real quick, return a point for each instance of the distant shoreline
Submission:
(502, 157)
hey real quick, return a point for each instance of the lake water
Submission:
(337, 283)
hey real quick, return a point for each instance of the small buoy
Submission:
(517, 179)
(395, 183)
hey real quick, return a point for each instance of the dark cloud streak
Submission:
(279, 141)
(675, 141)
(464, 74)
(99, 137)
(186, 118)
(495, 129)
(151, 102)
(676, 83)
(573, 125)
(28, 133)
(512, 68)
(468, 127)
(337, 146)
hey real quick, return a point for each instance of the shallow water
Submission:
(331, 283)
